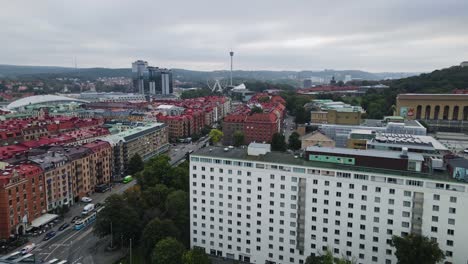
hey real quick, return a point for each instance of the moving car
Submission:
(49, 235)
(28, 248)
(86, 199)
(88, 208)
(127, 179)
(64, 226)
(466, 150)
(75, 218)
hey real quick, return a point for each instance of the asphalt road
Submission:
(74, 246)
(83, 247)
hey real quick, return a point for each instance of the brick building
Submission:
(256, 126)
(22, 197)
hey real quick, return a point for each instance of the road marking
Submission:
(70, 237)
(78, 259)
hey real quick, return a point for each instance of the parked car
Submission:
(64, 226)
(102, 188)
(86, 199)
(49, 235)
(75, 218)
(28, 248)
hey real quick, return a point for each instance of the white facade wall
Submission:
(242, 211)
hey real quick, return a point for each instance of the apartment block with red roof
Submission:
(256, 127)
(22, 198)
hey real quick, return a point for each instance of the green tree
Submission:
(135, 164)
(326, 258)
(168, 251)
(157, 170)
(416, 249)
(177, 209)
(155, 231)
(155, 196)
(278, 143)
(238, 138)
(195, 256)
(216, 135)
(301, 116)
(180, 177)
(125, 220)
(294, 141)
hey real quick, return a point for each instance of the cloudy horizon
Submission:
(369, 35)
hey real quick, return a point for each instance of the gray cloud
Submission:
(374, 35)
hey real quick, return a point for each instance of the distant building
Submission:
(256, 126)
(464, 64)
(358, 138)
(150, 80)
(347, 78)
(147, 141)
(316, 139)
(307, 83)
(340, 133)
(433, 106)
(330, 112)
(140, 71)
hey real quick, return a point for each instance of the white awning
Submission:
(43, 219)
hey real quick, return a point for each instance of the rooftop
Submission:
(289, 159)
(41, 99)
(366, 152)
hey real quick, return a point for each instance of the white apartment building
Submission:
(273, 207)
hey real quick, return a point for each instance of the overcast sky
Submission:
(372, 35)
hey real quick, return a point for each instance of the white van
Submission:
(88, 208)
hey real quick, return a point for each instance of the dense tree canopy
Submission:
(155, 231)
(294, 141)
(168, 251)
(238, 138)
(416, 249)
(278, 142)
(124, 218)
(195, 256)
(135, 164)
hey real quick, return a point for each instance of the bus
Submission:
(82, 223)
(127, 179)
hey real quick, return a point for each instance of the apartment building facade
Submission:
(259, 206)
(22, 197)
(57, 177)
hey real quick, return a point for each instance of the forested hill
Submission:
(438, 81)
(446, 80)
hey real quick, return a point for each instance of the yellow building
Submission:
(432, 106)
(338, 117)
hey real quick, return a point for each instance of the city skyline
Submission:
(397, 36)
